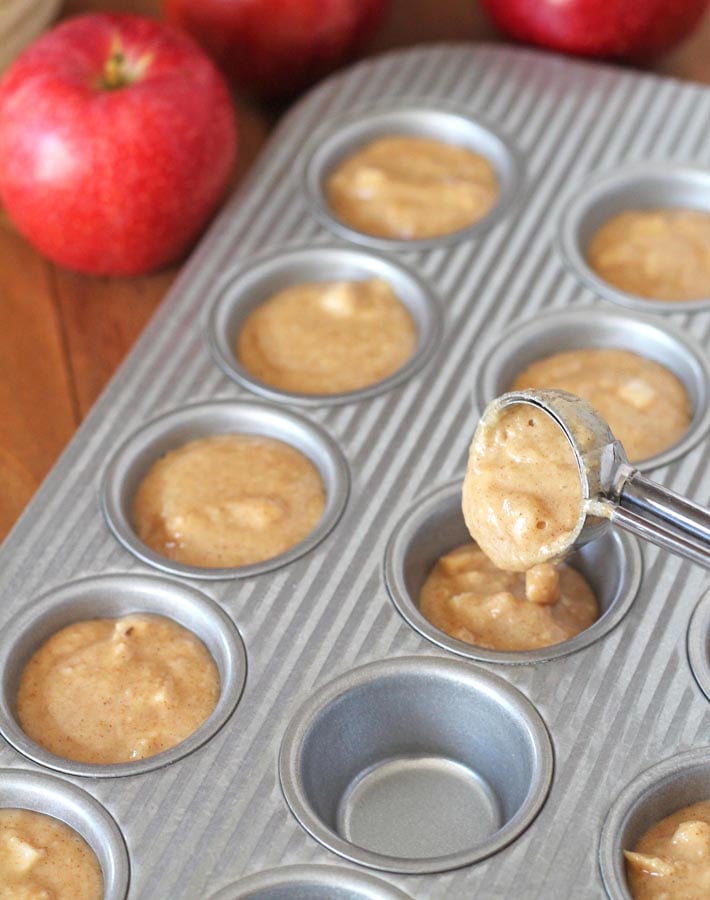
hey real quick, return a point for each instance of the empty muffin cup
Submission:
(108, 597)
(339, 138)
(655, 794)
(699, 644)
(636, 187)
(396, 765)
(589, 328)
(434, 526)
(305, 882)
(38, 792)
(135, 457)
(241, 293)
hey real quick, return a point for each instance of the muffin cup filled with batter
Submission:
(661, 195)
(478, 145)
(272, 352)
(131, 599)
(92, 836)
(396, 764)
(583, 329)
(434, 527)
(229, 430)
(664, 790)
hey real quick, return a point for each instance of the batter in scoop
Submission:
(659, 254)
(646, 405)
(522, 495)
(41, 858)
(671, 861)
(467, 597)
(412, 187)
(228, 500)
(327, 337)
(115, 690)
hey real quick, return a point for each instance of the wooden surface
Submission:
(62, 335)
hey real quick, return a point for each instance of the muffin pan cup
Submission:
(656, 793)
(638, 186)
(108, 597)
(396, 765)
(339, 138)
(303, 882)
(134, 458)
(699, 644)
(55, 797)
(434, 526)
(587, 328)
(245, 290)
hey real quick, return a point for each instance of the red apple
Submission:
(117, 141)
(598, 27)
(275, 48)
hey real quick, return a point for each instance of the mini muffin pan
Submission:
(370, 756)
(246, 290)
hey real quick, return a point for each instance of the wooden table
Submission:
(62, 335)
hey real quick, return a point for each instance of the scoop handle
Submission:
(664, 518)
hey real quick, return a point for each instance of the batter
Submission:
(522, 495)
(412, 187)
(115, 690)
(660, 254)
(672, 859)
(645, 405)
(467, 597)
(41, 858)
(327, 338)
(228, 500)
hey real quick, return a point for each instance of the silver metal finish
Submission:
(397, 765)
(435, 525)
(561, 330)
(639, 186)
(699, 644)
(108, 597)
(245, 290)
(55, 797)
(135, 457)
(311, 883)
(341, 137)
(613, 708)
(656, 793)
(612, 490)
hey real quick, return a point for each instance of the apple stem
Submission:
(115, 75)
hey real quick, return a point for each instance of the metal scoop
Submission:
(613, 490)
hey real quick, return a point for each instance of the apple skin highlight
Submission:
(117, 143)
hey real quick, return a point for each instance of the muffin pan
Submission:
(322, 635)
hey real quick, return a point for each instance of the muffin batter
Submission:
(672, 859)
(327, 338)
(660, 254)
(228, 500)
(412, 187)
(645, 405)
(467, 597)
(41, 858)
(522, 495)
(115, 690)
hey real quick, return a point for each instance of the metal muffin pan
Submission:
(310, 883)
(55, 797)
(109, 597)
(699, 644)
(396, 765)
(245, 290)
(134, 458)
(434, 526)
(587, 328)
(640, 186)
(656, 793)
(218, 816)
(341, 137)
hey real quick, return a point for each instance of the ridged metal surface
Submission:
(613, 709)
